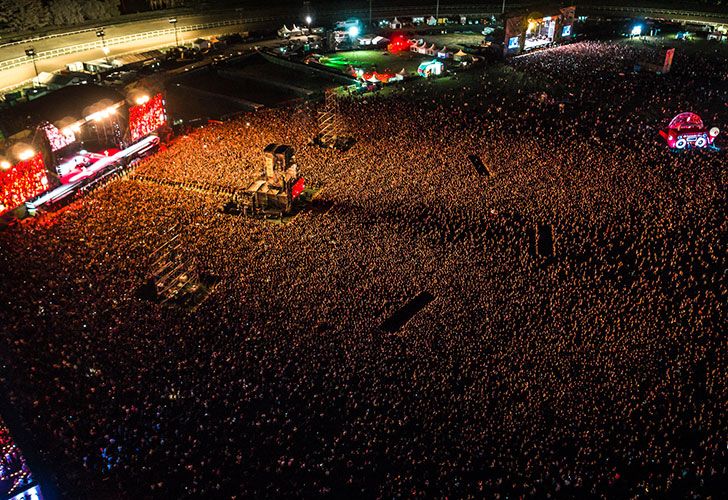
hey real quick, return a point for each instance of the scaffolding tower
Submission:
(171, 276)
(331, 125)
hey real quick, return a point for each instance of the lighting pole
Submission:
(503, 10)
(370, 14)
(437, 10)
(100, 34)
(173, 22)
(30, 52)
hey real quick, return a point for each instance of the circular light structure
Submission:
(714, 131)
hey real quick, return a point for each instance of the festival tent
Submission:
(379, 40)
(444, 53)
(431, 51)
(399, 76)
(430, 68)
(460, 55)
(284, 32)
(432, 21)
(365, 40)
(395, 24)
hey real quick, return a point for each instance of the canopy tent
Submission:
(443, 53)
(395, 24)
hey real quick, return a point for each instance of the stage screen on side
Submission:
(147, 117)
(58, 139)
(21, 182)
(513, 42)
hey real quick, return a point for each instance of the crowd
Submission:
(600, 371)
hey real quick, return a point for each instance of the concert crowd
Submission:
(597, 371)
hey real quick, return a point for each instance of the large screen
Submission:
(147, 117)
(21, 182)
(58, 139)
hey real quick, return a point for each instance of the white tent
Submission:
(284, 32)
(373, 79)
(379, 40)
(395, 24)
(431, 21)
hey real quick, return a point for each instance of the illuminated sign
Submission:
(513, 43)
(566, 31)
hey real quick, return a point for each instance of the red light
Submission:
(298, 188)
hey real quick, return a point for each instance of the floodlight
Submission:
(5, 164)
(353, 31)
(26, 155)
(308, 20)
(143, 99)
(637, 30)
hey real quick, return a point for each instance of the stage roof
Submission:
(72, 101)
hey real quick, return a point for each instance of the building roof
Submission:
(73, 102)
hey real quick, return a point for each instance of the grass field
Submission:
(381, 60)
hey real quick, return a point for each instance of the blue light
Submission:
(637, 30)
(353, 31)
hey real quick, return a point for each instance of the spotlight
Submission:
(637, 30)
(5, 164)
(26, 155)
(353, 31)
(308, 20)
(142, 99)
